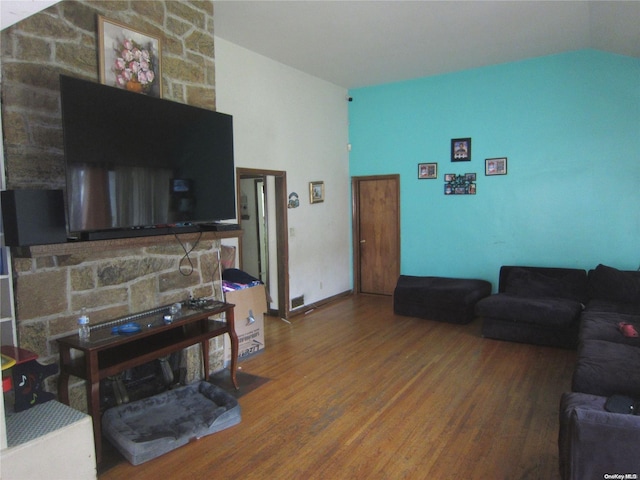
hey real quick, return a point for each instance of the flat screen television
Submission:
(139, 162)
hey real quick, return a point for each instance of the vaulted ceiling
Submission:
(369, 42)
(359, 43)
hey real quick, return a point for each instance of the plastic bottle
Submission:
(83, 326)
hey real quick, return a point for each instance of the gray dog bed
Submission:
(145, 429)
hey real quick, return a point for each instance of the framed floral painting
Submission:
(129, 59)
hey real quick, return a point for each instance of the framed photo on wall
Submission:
(427, 170)
(461, 150)
(129, 59)
(316, 192)
(495, 166)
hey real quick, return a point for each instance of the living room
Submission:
(567, 124)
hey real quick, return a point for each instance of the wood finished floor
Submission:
(357, 392)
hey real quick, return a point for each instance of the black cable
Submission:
(186, 256)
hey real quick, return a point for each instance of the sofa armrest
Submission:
(600, 443)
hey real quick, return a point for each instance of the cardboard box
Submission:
(251, 303)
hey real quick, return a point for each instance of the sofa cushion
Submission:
(547, 311)
(607, 368)
(607, 283)
(604, 326)
(534, 334)
(613, 307)
(525, 282)
(544, 282)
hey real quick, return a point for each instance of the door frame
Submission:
(355, 215)
(281, 224)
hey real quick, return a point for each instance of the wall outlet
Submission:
(297, 301)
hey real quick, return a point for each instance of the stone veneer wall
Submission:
(51, 290)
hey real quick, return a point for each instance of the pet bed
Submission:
(147, 428)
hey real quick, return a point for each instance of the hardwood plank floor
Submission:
(357, 392)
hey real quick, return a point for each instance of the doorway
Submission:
(255, 239)
(263, 250)
(376, 233)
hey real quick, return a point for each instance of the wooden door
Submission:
(376, 205)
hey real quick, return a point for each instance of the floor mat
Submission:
(246, 381)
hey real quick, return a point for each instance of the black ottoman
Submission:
(594, 444)
(444, 299)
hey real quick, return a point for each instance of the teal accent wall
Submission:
(569, 125)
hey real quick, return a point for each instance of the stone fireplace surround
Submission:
(110, 278)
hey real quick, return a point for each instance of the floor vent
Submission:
(297, 301)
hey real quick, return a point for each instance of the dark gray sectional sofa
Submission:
(573, 308)
(593, 442)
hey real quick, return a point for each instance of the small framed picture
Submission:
(316, 192)
(427, 170)
(495, 166)
(129, 59)
(460, 149)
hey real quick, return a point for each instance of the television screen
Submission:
(138, 161)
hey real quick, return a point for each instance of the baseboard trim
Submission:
(305, 309)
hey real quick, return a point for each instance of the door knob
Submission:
(363, 241)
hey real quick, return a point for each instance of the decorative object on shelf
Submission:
(294, 201)
(129, 59)
(129, 328)
(427, 170)
(316, 192)
(495, 166)
(460, 184)
(460, 149)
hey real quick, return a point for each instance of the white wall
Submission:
(288, 120)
